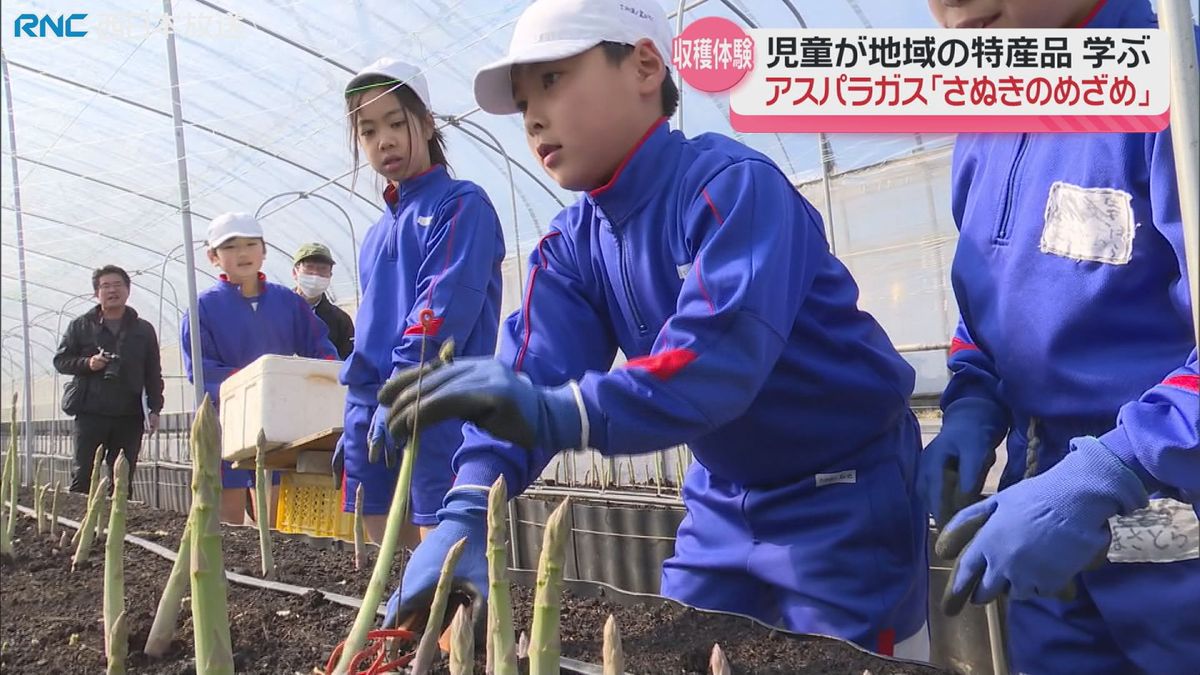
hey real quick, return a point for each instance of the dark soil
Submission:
(51, 619)
(668, 638)
(299, 560)
(43, 604)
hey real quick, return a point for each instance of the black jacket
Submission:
(341, 327)
(139, 368)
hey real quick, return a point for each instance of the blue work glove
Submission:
(380, 441)
(1034, 537)
(338, 466)
(484, 391)
(953, 466)
(464, 514)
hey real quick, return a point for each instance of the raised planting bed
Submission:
(43, 604)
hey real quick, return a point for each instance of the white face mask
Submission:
(312, 285)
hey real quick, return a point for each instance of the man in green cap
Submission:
(312, 268)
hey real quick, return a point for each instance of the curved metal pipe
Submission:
(512, 189)
(300, 194)
(98, 233)
(189, 123)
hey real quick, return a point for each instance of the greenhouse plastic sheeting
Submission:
(261, 93)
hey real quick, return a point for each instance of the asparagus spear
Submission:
(658, 471)
(427, 648)
(165, 618)
(614, 654)
(114, 554)
(547, 603)
(397, 515)
(103, 503)
(263, 514)
(54, 510)
(39, 507)
(501, 649)
(119, 645)
(717, 663)
(87, 532)
(9, 496)
(462, 642)
(523, 646)
(93, 486)
(210, 610)
(12, 483)
(360, 535)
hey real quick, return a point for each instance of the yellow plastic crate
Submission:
(310, 504)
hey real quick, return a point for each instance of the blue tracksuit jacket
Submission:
(1071, 282)
(439, 240)
(703, 264)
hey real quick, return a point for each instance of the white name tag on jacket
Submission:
(1165, 531)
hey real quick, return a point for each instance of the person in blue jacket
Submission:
(1076, 340)
(241, 318)
(436, 250)
(700, 261)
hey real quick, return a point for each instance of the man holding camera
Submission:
(113, 356)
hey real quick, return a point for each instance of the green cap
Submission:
(313, 250)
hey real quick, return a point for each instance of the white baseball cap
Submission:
(398, 72)
(549, 30)
(229, 225)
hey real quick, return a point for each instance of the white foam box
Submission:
(287, 397)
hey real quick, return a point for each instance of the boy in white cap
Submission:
(700, 261)
(241, 318)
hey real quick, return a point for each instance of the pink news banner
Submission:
(784, 80)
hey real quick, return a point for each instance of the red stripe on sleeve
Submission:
(711, 205)
(664, 365)
(959, 345)
(1185, 382)
(527, 311)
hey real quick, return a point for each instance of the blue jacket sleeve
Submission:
(215, 371)
(560, 332)
(312, 335)
(464, 248)
(758, 246)
(973, 379)
(1158, 435)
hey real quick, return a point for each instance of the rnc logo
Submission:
(32, 25)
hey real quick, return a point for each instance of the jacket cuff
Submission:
(1117, 443)
(978, 415)
(480, 469)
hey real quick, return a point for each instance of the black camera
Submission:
(113, 369)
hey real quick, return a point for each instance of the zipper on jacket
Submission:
(391, 244)
(1006, 211)
(628, 284)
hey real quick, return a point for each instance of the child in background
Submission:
(700, 261)
(241, 318)
(436, 249)
(1075, 340)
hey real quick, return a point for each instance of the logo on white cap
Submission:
(549, 30)
(397, 71)
(229, 225)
